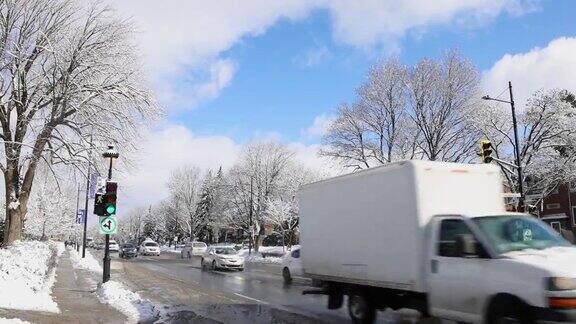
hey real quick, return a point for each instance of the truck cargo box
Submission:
(368, 227)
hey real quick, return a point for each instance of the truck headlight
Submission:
(561, 283)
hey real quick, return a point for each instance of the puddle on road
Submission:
(234, 313)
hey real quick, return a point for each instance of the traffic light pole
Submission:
(517, 151)
(106, 270)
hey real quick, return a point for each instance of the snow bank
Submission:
(28, 269)
(129, 303)
(170, 249)
(88, 262)
(257, 257)
(12, 321)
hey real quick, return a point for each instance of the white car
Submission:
(222, 257)
(193, 249)
(292, 265)
(113, 246)
(149, 248)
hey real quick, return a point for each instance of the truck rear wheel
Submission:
(286, 276)
(361, 309)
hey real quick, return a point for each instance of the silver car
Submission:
(222, 258)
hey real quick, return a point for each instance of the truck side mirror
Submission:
(466, 246)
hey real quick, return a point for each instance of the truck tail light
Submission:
(556, 302)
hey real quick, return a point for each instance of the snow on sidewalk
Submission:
(113, 293)
(129, 303)
(87, 263)
(28, 269)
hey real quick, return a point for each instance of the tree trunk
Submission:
(14, 230)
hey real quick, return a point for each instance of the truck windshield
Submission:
(515, 233)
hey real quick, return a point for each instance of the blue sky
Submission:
(229, 72)
(274, 92)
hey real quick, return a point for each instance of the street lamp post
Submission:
(111, 154)
(250, 229)
(516, 144)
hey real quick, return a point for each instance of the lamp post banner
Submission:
(93, 186)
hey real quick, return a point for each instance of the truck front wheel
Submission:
(361, 310)
(509, 311)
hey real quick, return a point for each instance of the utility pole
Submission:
(517, 145)
(250, 214)
(518, 166)
(77, 206)
(86, 200)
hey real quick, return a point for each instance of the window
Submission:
(555, 191)
(199, 245)
(515, 233)
(553, 206)
(556, 226)
(150, 244)
(574, 215)
(296, 254)
(450, 229)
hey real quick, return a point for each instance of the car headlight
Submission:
(561, 283)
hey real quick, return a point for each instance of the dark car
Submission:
(128, 250)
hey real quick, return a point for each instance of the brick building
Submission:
(559, 209)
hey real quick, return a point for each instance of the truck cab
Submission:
(486, 269)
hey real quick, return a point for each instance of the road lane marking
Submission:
(149, 259)
(252, 299)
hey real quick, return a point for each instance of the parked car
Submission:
(222, 257)
(193, 249)
(149, 248)
(99, 246)
(113, 246)
(128, 250)
(291, 265)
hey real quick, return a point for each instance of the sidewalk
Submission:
(73, 291)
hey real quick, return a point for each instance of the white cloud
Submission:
(319, 126)
(174, 146)
(182, 35)
(166, 149)
(377, 22)
(553, 66)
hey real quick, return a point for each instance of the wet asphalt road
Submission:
(256, 295)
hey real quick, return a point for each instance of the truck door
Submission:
(455, 280)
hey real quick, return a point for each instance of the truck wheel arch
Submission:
(507, 301)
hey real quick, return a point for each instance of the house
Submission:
(559, 210)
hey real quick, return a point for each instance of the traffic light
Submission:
(486, 151)
(110, 198)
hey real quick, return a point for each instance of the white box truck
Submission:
(434, 237)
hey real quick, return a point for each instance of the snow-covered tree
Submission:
(184, 185)
(265, 175)
(69, 70)
(441, 95)
(406, 112)
(256, 177)
(52, 206)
